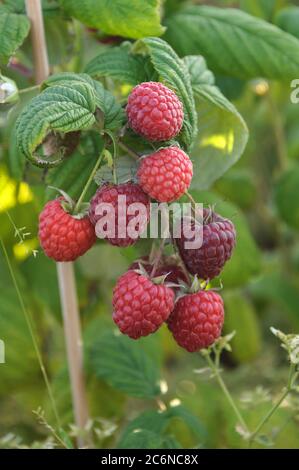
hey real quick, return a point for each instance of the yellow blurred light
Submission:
(219, 141)
(25, 249)
(125, 89)
(10, 195)
(175, 402)
(261, 88)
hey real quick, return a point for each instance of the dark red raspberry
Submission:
(166, 266)
(219, 239)
(197, 320)
(108, 194)
(140, 306)
(62, 236)
(154, 111)
(165, 175)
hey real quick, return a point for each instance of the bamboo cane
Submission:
(65, 271)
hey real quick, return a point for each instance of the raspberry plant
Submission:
(144, 114)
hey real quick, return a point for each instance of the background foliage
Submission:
(232, 69)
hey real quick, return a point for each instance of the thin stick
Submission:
(41, 63)
(72, 331)
(65, 272)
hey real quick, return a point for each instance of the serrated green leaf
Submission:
(130, 19)
(105, 101)
(119, 63)
(174, 73)
(247, 47)
(61, 108)
(223, 133)
(13, 30)
(114, 115)
(124, 365)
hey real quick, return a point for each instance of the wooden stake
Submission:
(41, 63)
(65, 271)
(72, 333)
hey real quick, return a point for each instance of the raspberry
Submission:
(140, 306)
(62, 236)
(165, 175)
(108, 194)
(166, 266)
(154, 111)
(219, 239)
(197, 320)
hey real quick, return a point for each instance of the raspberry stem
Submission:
(158, 257)
(226, 392)
(292, 378)
(88, 183)
(193, 203)
(112, 137)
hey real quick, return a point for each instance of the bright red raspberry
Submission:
(165, 175)
(140, 306)
(118, 230)
(219, 239)
(154, 111)
(62, 236)
(166, 266)
(197, 320)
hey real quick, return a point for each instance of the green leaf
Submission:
(13, 30)
(245, 262)
(238, 186)
(288, 20)
(247, 47)
(142, 439)
(124, 365)
(240, 317)
(130, 19)
(157, 422)
(223, 133)
(125, 169)
(173, 71)
(286, 196)
(105, 101)
(119, 63)
(114, 115)
(60, 108)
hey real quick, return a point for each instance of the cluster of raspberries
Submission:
(151, 293)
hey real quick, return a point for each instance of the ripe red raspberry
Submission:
(219, 239)
(117, 216)
(140, 306)
(165, 175)
(154, 111)
(62, 236)
(197, 320)
(166, 266)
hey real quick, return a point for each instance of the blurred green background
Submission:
(261, 282)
